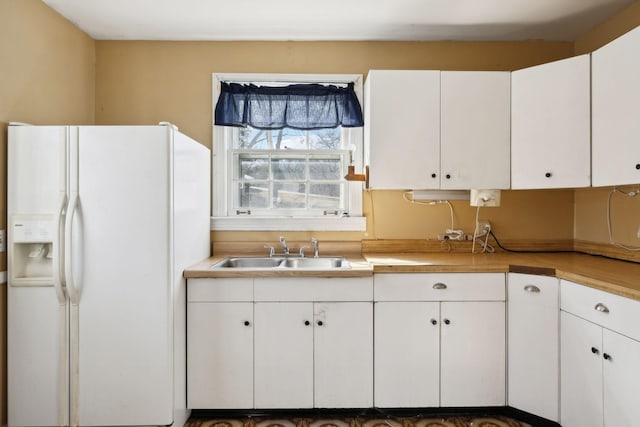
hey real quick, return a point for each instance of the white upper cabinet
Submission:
(402, 128)
(475, 129)
(432, 129)
(616, 111)
(550, 125)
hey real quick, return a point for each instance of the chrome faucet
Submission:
(285, 248)
(314, 241)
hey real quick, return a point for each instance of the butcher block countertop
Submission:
(618, 277)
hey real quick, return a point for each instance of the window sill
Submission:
(357, 223)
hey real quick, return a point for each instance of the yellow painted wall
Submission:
(591, 204)
(47, 76)
(145, 82)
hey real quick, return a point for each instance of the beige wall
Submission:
(46, 77)
(146, 82)
(591, 204)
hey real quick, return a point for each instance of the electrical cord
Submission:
(430, 203)
(609, 222)
(526, 251)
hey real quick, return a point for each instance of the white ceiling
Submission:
(336, 19)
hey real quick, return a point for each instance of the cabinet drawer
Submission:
(439, 287)
(220, 290)
(313, 289)
(541, 291)
(618, 313)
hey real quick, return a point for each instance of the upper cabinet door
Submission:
(616, 111)
(550, 125)
(402, 129)
(475, 129)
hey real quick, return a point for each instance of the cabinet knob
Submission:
(307, 323)
(638, 166)
(439, 285)
(448, 176)
(548, 174)
(433, 175)
(606, 356)
(601, 308)
(247, 323)
(320, 323)
(595, 350)
(532, 288)
(446, 321)
(434, 322)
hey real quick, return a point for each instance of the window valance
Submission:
(298, 106)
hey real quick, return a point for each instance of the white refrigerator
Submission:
(102, 221)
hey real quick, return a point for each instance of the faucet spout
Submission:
(314, 241)
(285, 248)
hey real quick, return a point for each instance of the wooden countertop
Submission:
(618, 277)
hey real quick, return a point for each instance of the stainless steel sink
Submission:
(292, 262)
(317, 263)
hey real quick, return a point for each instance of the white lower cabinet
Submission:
(533, 344)
(600, 367)
(313, 355)
(280, 345)
(439, 339)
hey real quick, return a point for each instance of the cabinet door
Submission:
(283, 345)
(616, 102)
(581, 372)
(343, 355)
(220, 355)
(551, 119)
(402, 129)
(476, 129)
(621, 369)
(533, 330)
(407, 354)
(472, 356)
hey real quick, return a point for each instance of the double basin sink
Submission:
(282, 262)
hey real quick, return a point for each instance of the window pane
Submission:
(324, 139)
(320, 169)
(253, 168)
(325, 196)
(252, 139)
(289, 195)
(253, 195)
(290, 139)
(289, 169)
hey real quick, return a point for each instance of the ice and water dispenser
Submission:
(31, 257)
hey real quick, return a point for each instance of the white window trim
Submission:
(219, 197)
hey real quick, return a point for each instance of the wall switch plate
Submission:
(3, 240)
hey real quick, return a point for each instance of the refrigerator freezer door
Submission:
(120, 249)
(36, 315)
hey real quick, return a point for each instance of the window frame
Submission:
(222, 167)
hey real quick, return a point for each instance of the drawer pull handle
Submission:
(532, 288)
(601, 308)
(439, 286)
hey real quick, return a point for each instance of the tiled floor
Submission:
(427, 421)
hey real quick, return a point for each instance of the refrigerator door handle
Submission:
(58, 280)
(74, 294)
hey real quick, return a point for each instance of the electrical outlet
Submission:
(486, 198)
(483, 227)
(3, 244)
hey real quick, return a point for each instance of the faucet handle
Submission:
(272, 250)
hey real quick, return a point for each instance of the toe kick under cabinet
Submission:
(439, 339)
(280, 343)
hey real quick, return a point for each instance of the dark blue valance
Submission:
(298, 106)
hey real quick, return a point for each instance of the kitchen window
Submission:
(287, 178)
